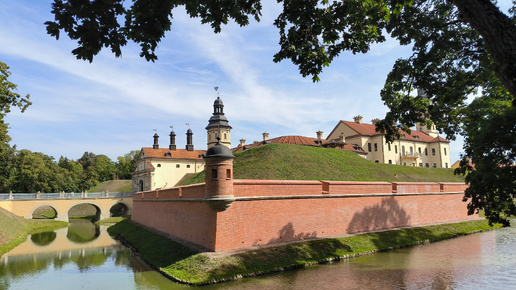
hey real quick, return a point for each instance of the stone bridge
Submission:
(24, 204)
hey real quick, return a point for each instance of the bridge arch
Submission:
(127, 210)
(53, 206)
(99, 214)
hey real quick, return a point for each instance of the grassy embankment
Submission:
(185, 265)
(14, 229)
(290, 162)
(113, 186)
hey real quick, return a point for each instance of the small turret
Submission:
(189, 143)
(172, 145)
(155, 145)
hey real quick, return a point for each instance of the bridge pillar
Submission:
(61, 217)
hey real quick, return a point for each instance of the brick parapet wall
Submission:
(270, 211)
(247, 187)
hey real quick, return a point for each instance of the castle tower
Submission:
(219, 177)
(218, 126)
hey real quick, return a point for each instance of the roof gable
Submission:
(166, 153)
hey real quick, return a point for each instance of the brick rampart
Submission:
(271, 211)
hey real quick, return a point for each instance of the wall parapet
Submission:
(247, 189)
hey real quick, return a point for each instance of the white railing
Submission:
(64, 195)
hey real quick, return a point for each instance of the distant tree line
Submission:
(27, 171)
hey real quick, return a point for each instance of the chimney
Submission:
(242, 143)
(172, 145)
(319, 134)
(342, 139)
(189, 145)
(155, 146)
(375, 120)
(358, 119)
(265, 136)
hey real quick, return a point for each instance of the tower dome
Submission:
(218, 126)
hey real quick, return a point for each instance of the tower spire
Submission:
(218, 124)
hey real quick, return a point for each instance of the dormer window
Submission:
(168, 154)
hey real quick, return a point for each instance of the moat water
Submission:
(83, 256)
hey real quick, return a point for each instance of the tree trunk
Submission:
(499, 34)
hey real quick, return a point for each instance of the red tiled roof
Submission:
(370, 130)
(297, 140)
(173, 154)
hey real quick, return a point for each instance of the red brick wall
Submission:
(248, 187)
(275, 211)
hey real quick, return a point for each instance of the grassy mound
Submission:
(14, 229)
(187, 266)
(113, 186)
(292, 162)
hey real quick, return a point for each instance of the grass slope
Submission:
(14, 229)
(113, 186)
(187, 266)
(291, 162)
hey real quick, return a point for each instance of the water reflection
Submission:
(81, 231)
(43, 239)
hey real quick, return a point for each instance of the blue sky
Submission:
(112, 106)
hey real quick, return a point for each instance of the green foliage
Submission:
(197, 268)
(8, 97)
(127, 164)
(292, 162)
(492, 177)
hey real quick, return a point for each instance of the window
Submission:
(369, 147)
(404, 163)
(426, 165)
(433, 151)
(444, 151)
(140, 185)
(188, 166)
(225, 138)
(228, 173)
(403, 150)
(446, 165)
(389, 146)
(419, 150)
(420, 164)
(177, 165)
(411, 151)
(159, 165)
(375, 146)
(434, 165)
(390, 161)
(214, 173)
(426, 152)
(376, 161)
(396, 149)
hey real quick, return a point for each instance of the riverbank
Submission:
(185, 265)
(14, 229)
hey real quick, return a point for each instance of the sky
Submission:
(114, 105)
